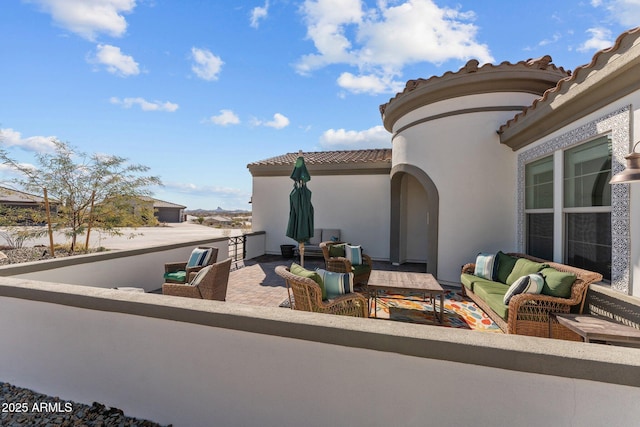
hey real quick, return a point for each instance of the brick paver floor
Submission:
(256, 283)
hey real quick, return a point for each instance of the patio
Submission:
(130, 341)
(257, 283)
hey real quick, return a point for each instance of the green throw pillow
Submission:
(524, 267)
(505, 266)
(557, 283)
(337, 250)
(302, 272)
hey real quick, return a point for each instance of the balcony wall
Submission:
(142, 268)
(193, 362)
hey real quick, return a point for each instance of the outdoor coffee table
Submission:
(404, 282)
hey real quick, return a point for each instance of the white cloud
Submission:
(13, 138)
(225, 118)
(259, 13)
(370, 84)
(600, 39)
(625, 12)
(279, 122)
(381, 41)
(88, 18)
(374, 137)
(554, 39)
(144, 104)
(115, 61)
(207, 65)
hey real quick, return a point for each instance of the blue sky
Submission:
(198, 89)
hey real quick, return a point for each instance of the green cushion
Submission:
(493, 294)
(524, 267)
(469, 280)
(496, 303)
(557, 283)
(360, 269)
(505, 266)
(179, 276)
(337, 250)
(309, 274)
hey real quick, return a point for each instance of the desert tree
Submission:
(104, 191)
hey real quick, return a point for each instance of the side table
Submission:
(593, 328)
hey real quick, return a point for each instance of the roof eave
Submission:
(586, 92)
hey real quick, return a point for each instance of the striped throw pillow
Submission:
(353, 254)
(336, 284)
(199, 257)
(529, 284)
(485, 266)
(198, 278)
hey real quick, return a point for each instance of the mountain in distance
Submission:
(217, 211)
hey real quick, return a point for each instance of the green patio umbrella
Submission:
(300, 227)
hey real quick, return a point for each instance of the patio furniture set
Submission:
(553, 309)
(309, 292)
(522, 294)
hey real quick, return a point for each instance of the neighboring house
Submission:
(513, 157)
(19, 199)
(167, 211)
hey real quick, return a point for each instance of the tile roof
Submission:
(330, 157)
(579, 74)
(157, 203)
(472, 67)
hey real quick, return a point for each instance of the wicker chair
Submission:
(307, 296)
(529, 313)
(212, 285)
(174, 267)
(340, 264)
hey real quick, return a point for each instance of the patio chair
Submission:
(307, 296)
(182, 272)
(209, 283)
(336, 261)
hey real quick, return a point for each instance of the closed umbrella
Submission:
(300, 227)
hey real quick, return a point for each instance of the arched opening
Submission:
(414, 217)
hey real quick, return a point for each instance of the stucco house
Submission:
(167, 211)
(512, 157)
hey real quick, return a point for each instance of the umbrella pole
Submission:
(301, 249)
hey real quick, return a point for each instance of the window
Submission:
(539, 207)
(587, 206)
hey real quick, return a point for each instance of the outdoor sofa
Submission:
(564, 291)
(312, 246)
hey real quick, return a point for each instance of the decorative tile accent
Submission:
(616, 124)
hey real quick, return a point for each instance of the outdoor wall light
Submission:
(632, 172)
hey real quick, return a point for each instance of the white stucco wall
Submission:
(473, 172)
(358, 205)
(634, 205)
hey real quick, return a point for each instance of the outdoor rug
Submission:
(459, 312)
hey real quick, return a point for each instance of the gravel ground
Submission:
(23, 407)
(35, 253)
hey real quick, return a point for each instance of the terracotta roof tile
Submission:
(376, 155)
(472, 66)
(599, 59)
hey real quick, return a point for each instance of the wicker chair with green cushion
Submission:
(307, 296)
(182, 272)
(209, 283)
(337, 260)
